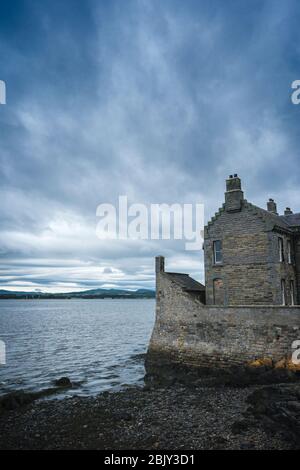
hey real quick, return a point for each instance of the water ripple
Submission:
(99, 343)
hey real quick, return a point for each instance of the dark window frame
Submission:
(283, 292)
(292, 292)
(289, 252)
(281, 249)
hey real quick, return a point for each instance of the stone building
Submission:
(252, 255)
(248, 313)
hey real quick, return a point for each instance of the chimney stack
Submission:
(272, 206)
(234, 195)
(288, 211)
(159, 264)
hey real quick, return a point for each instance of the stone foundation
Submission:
(191, 339)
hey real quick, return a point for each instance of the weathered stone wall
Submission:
(189, 333)
(297, 256)
(244, 269)
(250, 271)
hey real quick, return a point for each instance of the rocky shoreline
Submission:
(173, 417)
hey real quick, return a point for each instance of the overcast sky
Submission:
(159, 100)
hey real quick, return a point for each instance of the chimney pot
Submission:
(288, 211)
(272, 206)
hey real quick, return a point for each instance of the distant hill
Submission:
(88, 294)
(7, 292)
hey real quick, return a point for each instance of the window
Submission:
(283, 296)
(292, 292)
(218, 255)
(280, 248)
(289, 248)
(218, 292)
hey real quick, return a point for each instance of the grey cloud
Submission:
(152, 101)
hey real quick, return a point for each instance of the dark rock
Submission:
(278, 407)
(240, 426)
(63, 382)
(14, 400)
(123, 416)
(247, 446)
(294, 405)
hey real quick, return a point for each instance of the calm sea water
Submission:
(96, 343)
